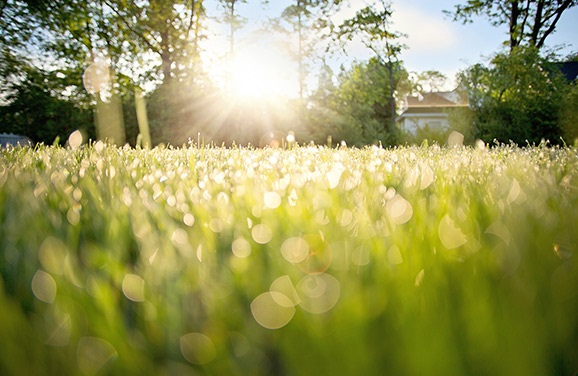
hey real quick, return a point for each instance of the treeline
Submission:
(159, 47)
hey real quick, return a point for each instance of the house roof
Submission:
(434, 104)
(436, 99)
(426, 110)
(569, 69)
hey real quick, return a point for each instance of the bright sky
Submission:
(434, 41)
(437, 43)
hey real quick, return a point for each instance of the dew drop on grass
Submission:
(189, 219)
(77, 194)
(450, 235)
(295, 250)
(52, 254)
(171, 201)
(271, 200)
(319, 293)
(133, 287)
(455, 139)
(320, 254)
(269, 313)
(4, 176)
(240, 344)
(346, 217)
(292, 197)
(361, 256)
(426, 177)
(333, 177)
(73, 214)
(419, 278)
(241, 248)
(284, 286)
(75, 140)
(399, 209)
(179, 237)
(500, 230)
(197, 348)
(261, 233)
(111, 172)
(99, 146)
(216, 225)
(514, 191)
(96, 77)
(93, 354)
(394, 255)
(60, 333)
(44, 287)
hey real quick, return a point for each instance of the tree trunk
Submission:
(166, 57)
(514, 32)
(538, 23)
(300, 52)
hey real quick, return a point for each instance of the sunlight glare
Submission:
(261, 73)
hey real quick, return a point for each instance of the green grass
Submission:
(307, 261)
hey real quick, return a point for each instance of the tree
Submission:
(34, 110)
(530, 22)
(355, 109)
(16, 32)
(518, 97)
(299, 16)
(372, 26)
(430, 81)
(569, 111)
(235, 22)
(171, 30)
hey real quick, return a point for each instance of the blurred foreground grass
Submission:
(309, 261)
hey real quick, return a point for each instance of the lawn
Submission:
(297, 261)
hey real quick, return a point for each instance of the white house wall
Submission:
(413, 122)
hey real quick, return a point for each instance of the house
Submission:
(569, 69)
(429, 111)
(7, 139)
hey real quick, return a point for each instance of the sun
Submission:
(261, 73)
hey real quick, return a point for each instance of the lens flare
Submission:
(262, 233)
(197, 348)
(93, 354)
(241, 248)
(44, 287)
(269, 313)
(319, 257)
(284, 286)
(133, 287)
(319, 293)
(96, 77)
(295, 250)
(450, 235)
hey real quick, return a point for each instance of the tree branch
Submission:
(140, 35)
(567, 4)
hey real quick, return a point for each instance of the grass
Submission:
(310, 260)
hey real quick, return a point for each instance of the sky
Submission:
(437, 43)
(434, 41)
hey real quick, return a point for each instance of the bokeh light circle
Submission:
(269, 313)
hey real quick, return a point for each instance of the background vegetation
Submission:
(161, 47)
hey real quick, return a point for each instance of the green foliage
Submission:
(517, 98)
(430, 81)
(297, 261)
(358, 109)
(35, 110)
(569, 116)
